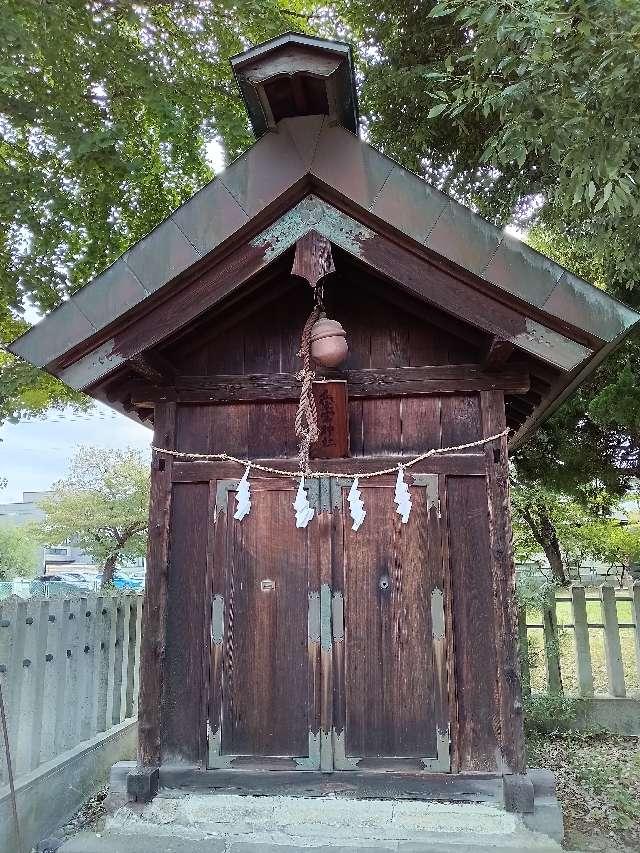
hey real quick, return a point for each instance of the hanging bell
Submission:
(328, 342)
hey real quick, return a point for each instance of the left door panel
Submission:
(265, 643)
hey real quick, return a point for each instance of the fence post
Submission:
(74, 655)
(636, 621)
(107, 662)
(88, 680)
(523, 649)
(34, 663)
(11, 655)
(581, 634)
(54, 679)
(134, 646)
(551, 649)
(613, 651)
(12, 618)
(121, 660)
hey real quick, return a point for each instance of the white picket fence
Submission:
(68, 671)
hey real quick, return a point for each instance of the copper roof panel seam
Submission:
(491, 257)
(626, 317)
(285, 125)
(384, 183)
(195, 248)
(430, 231)
(88, 319)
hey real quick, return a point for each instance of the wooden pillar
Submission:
(508, 688)
(154, 615)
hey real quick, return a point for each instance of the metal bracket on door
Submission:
(442, 762)
(320, 493)
(222, 493)
(430, 483)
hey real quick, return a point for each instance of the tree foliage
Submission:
(516, 107)
(18, 551)
(106, 110)
(102, 506)
(528, 112)
(570, 532)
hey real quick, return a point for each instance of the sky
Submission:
(36, 453)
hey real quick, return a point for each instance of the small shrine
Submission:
(335, 359)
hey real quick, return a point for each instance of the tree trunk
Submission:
(548, 539)
(545, 535)
(544, 532)
(108, 569)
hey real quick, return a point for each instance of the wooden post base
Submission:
(142, 784)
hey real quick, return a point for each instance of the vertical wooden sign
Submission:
(333, 419)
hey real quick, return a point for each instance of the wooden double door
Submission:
(329, 646)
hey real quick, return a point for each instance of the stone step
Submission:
(329, 822)
(108, 843)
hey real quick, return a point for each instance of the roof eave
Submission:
(564, 391)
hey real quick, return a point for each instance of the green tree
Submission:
(102, 506)
(528, 112)
(18, 551)
(106, 111)
(26, 391)
(569, 532)
(522, 109)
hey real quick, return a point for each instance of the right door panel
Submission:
(390, 666)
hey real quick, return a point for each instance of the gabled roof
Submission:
(308, 155)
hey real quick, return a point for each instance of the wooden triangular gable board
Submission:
(414, 274)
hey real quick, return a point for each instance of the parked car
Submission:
(74, 579)
(129, 579)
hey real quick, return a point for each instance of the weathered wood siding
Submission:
(388, 686)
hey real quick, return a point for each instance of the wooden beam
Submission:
(152, 366)
(154, 614)
(458, 464)
(507, 686)
(390, 382)
(498, 354)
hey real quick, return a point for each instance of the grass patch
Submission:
(598, 785)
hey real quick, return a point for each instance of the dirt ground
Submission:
(598, 785)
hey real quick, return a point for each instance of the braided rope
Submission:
(307, 415)
(225, 457)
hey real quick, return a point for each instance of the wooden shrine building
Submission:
(279, 652)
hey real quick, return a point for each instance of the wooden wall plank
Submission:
(421, 424)
(388, 668)
(460, 420)
(183, 728)
(266, 677)
(380, 333)
(474, 626)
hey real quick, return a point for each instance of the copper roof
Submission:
(309, 154)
